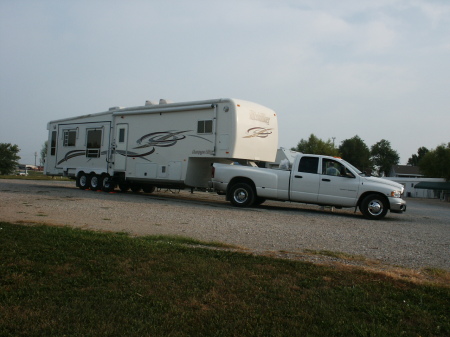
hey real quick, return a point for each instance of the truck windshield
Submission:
(352, 167)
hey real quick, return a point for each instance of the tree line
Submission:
(380, 158)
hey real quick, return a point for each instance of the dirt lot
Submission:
(416, 239)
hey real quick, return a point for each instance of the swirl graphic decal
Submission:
(72, 154)
(258, 132)
(161, 139)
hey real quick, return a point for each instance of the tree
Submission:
(436, 163)
(384, 157)
(356, 152)
(416, 158)
(315, 145)
(8, 158)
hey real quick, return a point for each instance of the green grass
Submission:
(57, 281)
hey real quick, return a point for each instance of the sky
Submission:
(335, 69)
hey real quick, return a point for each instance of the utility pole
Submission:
(333, 140)
(35, 157)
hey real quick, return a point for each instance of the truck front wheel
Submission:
(242, 195)
(374, 207)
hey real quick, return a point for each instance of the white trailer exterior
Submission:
(160, 145)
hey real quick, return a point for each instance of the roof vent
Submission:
(165, 101)
(150, 103)
(115, 108)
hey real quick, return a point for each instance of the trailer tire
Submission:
(107, 184)
(124, 187)
(241, 195)
(136, 188)
(148, 188)
(374, 206)
(94, 182)
(83, 180)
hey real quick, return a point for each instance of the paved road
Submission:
(418, 238)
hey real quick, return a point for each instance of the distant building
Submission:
(416, 185)
(405, 171)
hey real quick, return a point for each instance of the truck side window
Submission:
(331, 167)
(334, 168)
(308, 164)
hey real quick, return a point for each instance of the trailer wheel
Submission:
(124, 187)
(242, 195)
(136, 188)
(107, 184)
(94, 182)
(148, 188)
(82, 181)
(374, 207)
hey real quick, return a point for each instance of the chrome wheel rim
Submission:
(375, 207)
(240, 195)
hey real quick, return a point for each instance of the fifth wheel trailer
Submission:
(160, 145)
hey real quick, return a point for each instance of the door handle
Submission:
(298, 176)
(326, 180)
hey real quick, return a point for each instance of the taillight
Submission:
(213, 170)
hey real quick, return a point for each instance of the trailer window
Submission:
(121, 135)
(205, 126)
(70, 137)
(308, 164)
(94, 143)
(53, 144)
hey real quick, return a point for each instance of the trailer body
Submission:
(160, 145)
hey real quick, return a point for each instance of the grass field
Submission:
(58, 281)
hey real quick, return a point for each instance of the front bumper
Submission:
(397, 205)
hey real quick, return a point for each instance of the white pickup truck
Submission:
(313, 179)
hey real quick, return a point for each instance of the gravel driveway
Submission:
(416, 239)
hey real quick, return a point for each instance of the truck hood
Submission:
(386, 182)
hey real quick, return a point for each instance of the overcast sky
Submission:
(376, 69)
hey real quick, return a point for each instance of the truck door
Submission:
(305, 180)
(121, 141)
(338, 186)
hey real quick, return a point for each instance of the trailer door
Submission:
(120, 155)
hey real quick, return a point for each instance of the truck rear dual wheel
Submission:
(242, 195)
(374, 207)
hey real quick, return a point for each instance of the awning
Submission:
(433, 186)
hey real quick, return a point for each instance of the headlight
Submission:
(396, 194)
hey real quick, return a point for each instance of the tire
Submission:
(242, 195)
(94, 182)
(148, 188)
(374, 207)
(136, 188)
(124, 187)
(107, 184)
(83, 181)
(259, 201)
